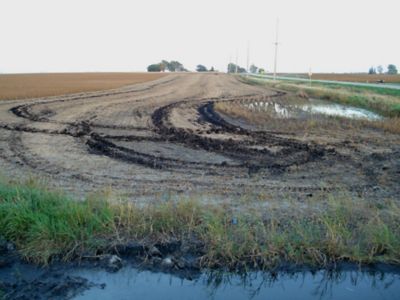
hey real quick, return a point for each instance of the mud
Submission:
(165, 135)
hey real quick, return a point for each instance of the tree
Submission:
(379, 69)
(371, 71)
(164, 65)
(261, 71)
(212, 69)
(392, 70)
(253, 69)
(201, 68)
(175, 66)
(232, 68)
(154, 68)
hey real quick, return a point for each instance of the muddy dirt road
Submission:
(163, 137)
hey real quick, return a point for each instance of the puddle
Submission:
(311, 107)
(129, 283)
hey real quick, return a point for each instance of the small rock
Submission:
(114, 260)
(167, 262)
(155, 252)
(114, 263)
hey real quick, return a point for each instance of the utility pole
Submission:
(248, 57)
(276, 48)
(236, 67)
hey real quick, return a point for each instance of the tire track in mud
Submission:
(238, 151)
(251, 159)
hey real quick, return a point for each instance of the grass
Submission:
(354, 77)
(383, 101)
(46, 225)
(21, 86)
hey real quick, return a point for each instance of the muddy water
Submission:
(129, 283)
(24, 281)
(304, 109)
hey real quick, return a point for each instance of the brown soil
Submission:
(164, 137)
(17, 86)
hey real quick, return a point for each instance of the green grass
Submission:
(362, 89)
(46, 225)
(383, 101)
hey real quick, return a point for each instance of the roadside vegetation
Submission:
(373, 77)
(47, 225)
(383, 101)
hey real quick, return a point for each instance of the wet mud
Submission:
(167, 135)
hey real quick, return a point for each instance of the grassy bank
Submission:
(383, 101)
(45, 224)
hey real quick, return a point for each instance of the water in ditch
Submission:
(129, 283)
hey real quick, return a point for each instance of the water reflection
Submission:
(130, 283)
(304, 108)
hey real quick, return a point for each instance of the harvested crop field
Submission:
(366, 78)
(17, 86)
(163, 138)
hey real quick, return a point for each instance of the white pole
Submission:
(236, 67)
(248, 57)
(276, 48)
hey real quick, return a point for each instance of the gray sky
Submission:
(117, 35)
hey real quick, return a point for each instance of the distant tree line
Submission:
(172, 66)
(391, 70)
(202, 68)
(233, 68)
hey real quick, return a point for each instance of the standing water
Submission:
(305, 108)
(129, 283)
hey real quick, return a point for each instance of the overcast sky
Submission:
(117, 35)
